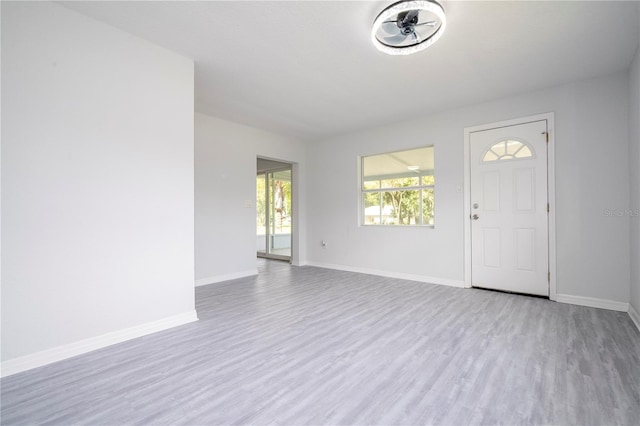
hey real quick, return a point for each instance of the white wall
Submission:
(591, 175)
(634, 168)
(97, 184)
(226, 156)
(0, 181)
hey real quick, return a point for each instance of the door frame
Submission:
(551, 192)
(293, 258)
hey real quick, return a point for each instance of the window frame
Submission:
(381, 190)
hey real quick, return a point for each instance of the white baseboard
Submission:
(635, 316)
(390, 274)
(60, 353)
(226, 277)
(593, 302)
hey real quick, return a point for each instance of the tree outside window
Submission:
(398, 188)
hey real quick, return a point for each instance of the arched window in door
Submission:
(508, 149)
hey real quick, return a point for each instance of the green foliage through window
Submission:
(398, 188)
(279, 196)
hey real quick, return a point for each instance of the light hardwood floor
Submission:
(305, 345)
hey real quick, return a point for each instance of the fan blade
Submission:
(409, 16)
(390, 27)
(415, 37)
(395, 39)
(429, 23)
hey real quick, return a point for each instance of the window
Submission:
(398, 188)
(507, 150)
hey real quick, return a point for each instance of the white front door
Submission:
(509, 210)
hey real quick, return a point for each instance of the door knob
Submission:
(475, 217)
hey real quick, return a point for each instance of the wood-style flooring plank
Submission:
(305, 345)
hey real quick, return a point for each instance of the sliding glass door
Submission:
(273, 214)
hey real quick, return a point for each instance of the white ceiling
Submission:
(399, 164)
(264, 165)
(308, 68)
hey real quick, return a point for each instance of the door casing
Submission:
(267, 254)
(550, 190)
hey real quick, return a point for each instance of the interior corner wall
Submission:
(634, 168)
(226, 155)
(592, 178)
(97, 181)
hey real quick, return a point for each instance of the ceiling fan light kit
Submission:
(408, 27)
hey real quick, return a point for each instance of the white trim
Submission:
(593, 302)
(551, 199)
(226, 277)
(635, 316)
(390, 274)
(295, 208)
(39, 359)
(551, 193)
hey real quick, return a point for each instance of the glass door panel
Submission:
(273, 214)
(279, 213)
(261, 214)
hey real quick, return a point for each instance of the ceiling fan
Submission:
(408, 26)
(403, 27)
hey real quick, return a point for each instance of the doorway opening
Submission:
(274, 215)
